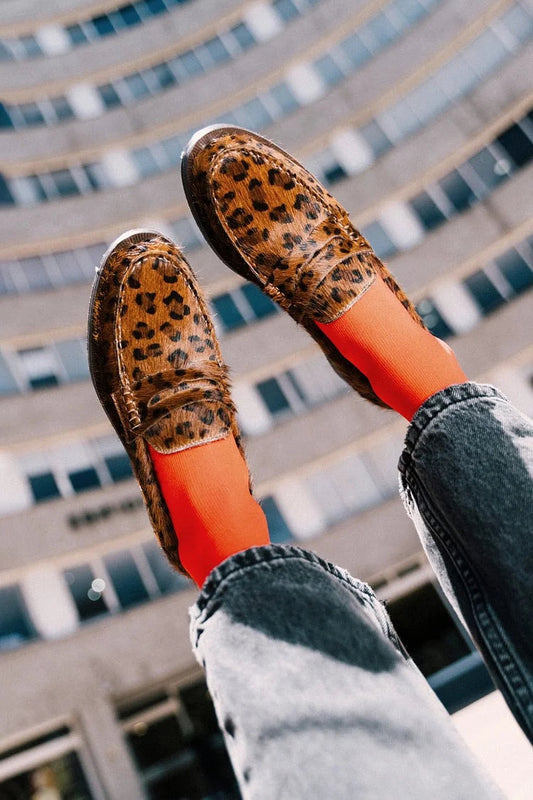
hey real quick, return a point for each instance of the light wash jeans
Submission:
(312, 688)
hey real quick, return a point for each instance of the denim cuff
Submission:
(442, 401)
(212, 594)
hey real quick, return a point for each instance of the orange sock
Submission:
(404, 363)
(211, 508)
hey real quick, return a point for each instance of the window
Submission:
(516, 270)
(379, 239)
(286, 9)
(31, 114)
(73, 358)
(164, 75)
(225, 307)
(485, 293)
(76, 34)
(216, 50)
(376, 137)
(260, 303)
(86, 591)
(355, 51)
(177, 745)
(426, 627)
(62, 108)
(84, 479)
(129, 15)
(15, 625)
(429, 213)
(433, 319)
(284, 98)
(328, 70)
(278, 529)
(109, 95)
(126, 579)
(64, 182)
(136, 86)
(273, 397)
(485, 53)
(43, 486)
(103, 25)
(168, 580)
(40, 367)
(517, 144)
(378, 32)
(62, 776)
(243, 35)
(8, 384)
(458, 190)
(486, 165)
(155, 7)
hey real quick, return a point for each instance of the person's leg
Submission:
(468, 478)
(313, 691)
(158, 371)
(467, 483)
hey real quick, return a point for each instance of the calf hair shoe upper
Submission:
(155, 362)
(272, 222)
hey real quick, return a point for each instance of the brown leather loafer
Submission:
(155, 362)
(272, 222)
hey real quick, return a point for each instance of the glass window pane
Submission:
(228, 312)
(411, 9)
(428, 212)
(254, 114)
(399, 120)
(31, 46)
(155, 7)
(355, 51)
(60, 778)
(485, 293)
(119, 467)
(76, 34)
(519, 22)
(8, 385)
(89, 601)
(262, 305)
(62, 108)
(278, 528)
(516, 270)
(458, 191)
(517, 144)
(127, 582)
(15, 625)
(84, 479)
(129, 15)
(145, 162)
(378, 32)
(487, 167)
(485, 53)
(103, 25)
(243, 35)
(136, 85)
(376, 137)
(428, 100)
(273, 397)
(379, 239)
(190, 64)
(43, 486)
(457, 77)
(328, 70)
(285, 9)
(433, 320)
(216, 49)
(109, 95)
(31, 114)
(430, 635)
(73, 358)
(64, 181)
(35, 273)
(164, 75)
(284, 98)
(168, 580)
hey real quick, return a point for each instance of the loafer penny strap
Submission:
(143, 403)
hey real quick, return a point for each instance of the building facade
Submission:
(418, 116)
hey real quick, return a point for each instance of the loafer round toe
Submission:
(272, 222)
(155, 362)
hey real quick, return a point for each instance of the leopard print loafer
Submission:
(155, 362)
(272, 222)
